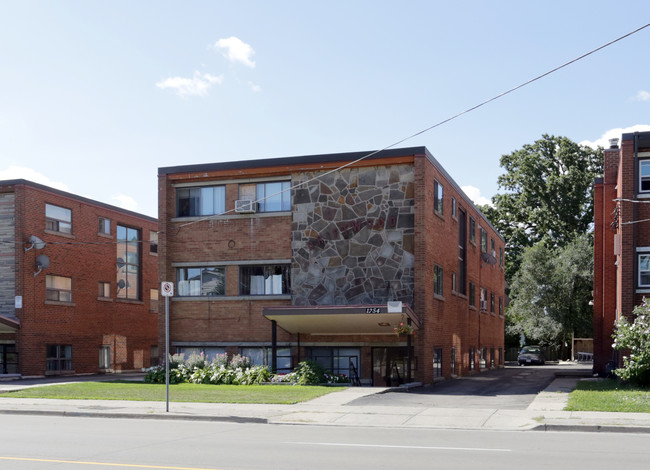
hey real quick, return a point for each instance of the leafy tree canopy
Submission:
(545, 195)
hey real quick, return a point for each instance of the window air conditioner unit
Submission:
(245, 206)
(484, 305)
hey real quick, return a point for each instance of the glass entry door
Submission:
(390, 366)
(8, 359)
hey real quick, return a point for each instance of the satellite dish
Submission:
(42, 262)
(36, 243)
(121, 284)
(120, 263)
(488, 258)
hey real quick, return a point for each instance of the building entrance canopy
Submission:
(342, 319)
(8, 325)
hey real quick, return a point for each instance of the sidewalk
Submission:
(544, 413)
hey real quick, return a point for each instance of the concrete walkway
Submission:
(337, 408)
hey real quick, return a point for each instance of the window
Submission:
(58, 219)
(128, 263)
(153, 241)
(58, 357)
(501, 256)
(500, 306)
(210, 353)
(472, 294)
(104, 226)
(201, 281)
(264, 280)
(58, 288)
(104, 357)
(264, 357)
(472, 359)
(453, 361)
(644, 176)
(437, 197)
(153, 356)
(453, 282)
(337, 360)
(644, 270)
(272, 197)
(453, 207)
(193, 202)
(153, 300)
(491, 302)
(492, 358)
(437, 362)
(472, 230)
(482, 358)
(461, 286)
(484, 239)
(437, 280)
(492, 248)
(484, 297)
(104, 289)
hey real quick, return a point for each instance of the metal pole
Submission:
(167, 350)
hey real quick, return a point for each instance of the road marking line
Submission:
(107, 464)
(342, 444)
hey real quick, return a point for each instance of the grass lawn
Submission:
(608, 395)
(137, 391)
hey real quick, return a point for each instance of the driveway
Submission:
(510, 388)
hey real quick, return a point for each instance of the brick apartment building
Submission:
(295, 258)
(78, 284)
(621, 240)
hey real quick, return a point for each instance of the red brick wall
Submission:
(87, 258)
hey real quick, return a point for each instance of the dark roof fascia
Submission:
(291, 161)
(643, 138)
(86, 200)
(467, 200)
(9, 321)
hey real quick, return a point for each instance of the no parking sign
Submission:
(167, 289)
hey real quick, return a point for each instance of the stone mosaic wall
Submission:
(353, 237)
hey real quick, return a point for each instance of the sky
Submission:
(95, 96)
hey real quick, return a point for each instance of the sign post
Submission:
(167, 291)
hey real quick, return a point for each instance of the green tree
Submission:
(551, 293)
(546, 194)
(634, 338)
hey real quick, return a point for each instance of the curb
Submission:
(591, 428)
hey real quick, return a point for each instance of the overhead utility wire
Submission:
(438, 124)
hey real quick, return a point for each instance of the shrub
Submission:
(309, 373)
(239, 362)
(634, 338)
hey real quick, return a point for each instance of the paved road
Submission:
(511, 388)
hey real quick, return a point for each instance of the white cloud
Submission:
(198, 85)
(255, 88)
(125, 202)
(642, 96)
(235, 50)
(475, 195)
(20, 172)
(616, 133)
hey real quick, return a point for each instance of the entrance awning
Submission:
(342, 319)
(8, 324)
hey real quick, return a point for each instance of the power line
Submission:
(438, 124)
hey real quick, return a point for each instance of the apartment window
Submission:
(453, 361)
(437, 362)
(201, 281)
(193, 202)
(482, 358)
(128, 263)
(453, 207)
(644, 176)
(58, 357)
(104, 290)
(492, 357)
(58, 288)
(472, 359)
(210, 353)
(58, 219)
(153, 356)
(472, 294)
(453, 282)
(484, 297)
(271, 197)
(500, 306)
(104, 226)
(437, 280)
(461, 287)
(492, 248)
(264, 280)
(437, 197)
(153, 241)
(500, 256)
(472, 229)
(336, 360)
(104, 357)
(484, 239)
(491, 302)
(153, 300)
(264, 357)
(644, 270)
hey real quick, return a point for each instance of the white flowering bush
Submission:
(634, 339)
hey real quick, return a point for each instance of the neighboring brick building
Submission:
(326, 270)
(621, 240)
(94, 307)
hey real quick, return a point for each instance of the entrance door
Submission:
(8, 359)
(390, 366)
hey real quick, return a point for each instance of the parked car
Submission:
(530, 355)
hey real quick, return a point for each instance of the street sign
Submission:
(167, 289)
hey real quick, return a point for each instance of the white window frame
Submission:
(643, 252)
(56, 219)
(642, 178)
